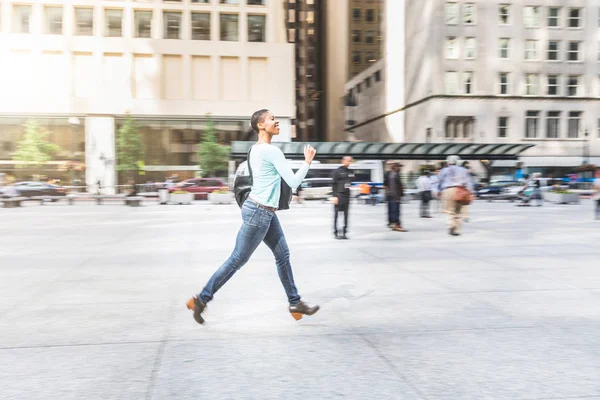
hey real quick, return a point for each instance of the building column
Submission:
(100, 157)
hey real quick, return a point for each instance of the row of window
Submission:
(532, 15)
(533, 121)
(228, 2)
(369, 15)
(574, 49)
(113, 23)
(369, 57)
(456, 84)
(369, 36)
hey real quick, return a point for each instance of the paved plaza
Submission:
(92, 305)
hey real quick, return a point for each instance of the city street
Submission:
(92, 305)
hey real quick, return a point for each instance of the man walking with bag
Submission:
(342, 180)
(456, 187)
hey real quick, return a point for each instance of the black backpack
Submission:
(243, 185)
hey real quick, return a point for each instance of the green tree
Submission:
(34, 149)
(212, 157)
(130, 150)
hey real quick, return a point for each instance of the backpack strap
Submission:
(248, 161)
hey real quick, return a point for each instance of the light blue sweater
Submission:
(268, 166)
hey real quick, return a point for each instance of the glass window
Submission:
(370, 15)
(451, 48)
(201, 1)
(257, 28)
(573, 85)
(502, 127)
(368, 82)
(469, 14)
(470, 48)
(553, 50)
(574, 122)
(553, 85)
(84, 21)
(369, 37)
(229, 27)
(503, 83)
(113, 23)
(532, 84)
(356, 36)
(573, 53)
(452, 13)
(554, 17)
(451, 82)
(468, 82)
(200, 26)
(553, 125)
(231, 2)
(574, 18)
(504, 47)
(504, 14)
(531, 16)
(531, 50)
(53, 20)
(143, 23)
(371, 57)
(356, 14)
(377, 76)
(256, 2)
(532, 120)
(171, 25)
(21, 19)
(356, 57)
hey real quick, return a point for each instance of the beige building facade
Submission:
(491, 72)
(171, 65)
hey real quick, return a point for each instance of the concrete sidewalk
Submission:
(92, 306)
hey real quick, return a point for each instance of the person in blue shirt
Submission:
(260, 222)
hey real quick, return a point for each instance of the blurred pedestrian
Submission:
(424, 190)
(260, 221)
(394, 191)
(596, 195)
(457, 188)
(435, 180)
(466, 207)
(342, 181)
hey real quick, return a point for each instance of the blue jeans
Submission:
(259, 224)
(393, 210)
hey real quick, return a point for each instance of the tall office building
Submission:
(77, 67)
(366, 34)
(487, 71)
(305, 20)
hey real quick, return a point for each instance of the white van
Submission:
(317, 188)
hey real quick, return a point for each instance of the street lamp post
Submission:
(74, 123)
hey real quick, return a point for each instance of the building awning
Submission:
(393, 151)
(543, 161)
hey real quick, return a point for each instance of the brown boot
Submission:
(398, 228)
(198, 307)
(301, 309)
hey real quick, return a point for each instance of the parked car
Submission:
(317, 188)
(34, 188)
(496, 188)
(200, 187)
